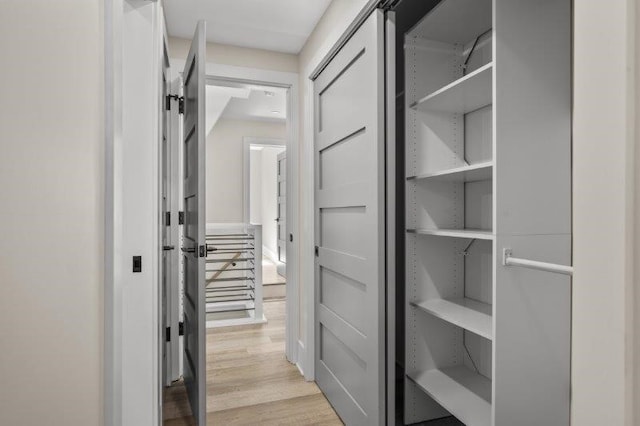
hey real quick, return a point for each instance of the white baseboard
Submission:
(301, 357)
(236, 321)
(269, 254)
(227, 322)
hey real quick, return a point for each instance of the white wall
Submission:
(52, 215)
(270, 201)
(225, 165)
(238, 56)
(603, 218)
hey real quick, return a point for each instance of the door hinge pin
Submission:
(180, 100)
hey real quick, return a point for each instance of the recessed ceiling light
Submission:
(275, 112)
(269, 94)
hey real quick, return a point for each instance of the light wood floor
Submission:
(250, 382)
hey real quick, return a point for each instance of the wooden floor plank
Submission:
(249, 380)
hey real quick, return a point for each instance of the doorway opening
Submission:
(267, 207)
(247, 130)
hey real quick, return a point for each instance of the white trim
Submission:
(269, 254)
(246, 168)
(307, 251)
(112, 272)
(119, 246)
(301, 356)
(236, 321)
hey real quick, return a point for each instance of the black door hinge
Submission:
(167, 218)
(180, 99)
(203, 251)
(180, 218)
(317, 251)
(167, 331)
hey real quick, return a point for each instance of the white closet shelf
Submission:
(469, 314)
(478, 234)
(469, 93)
(470, 173)
(465, 394)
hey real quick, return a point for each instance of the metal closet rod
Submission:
(509, 260)
(229, 235)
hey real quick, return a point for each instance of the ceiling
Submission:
(262, 104)
(217, 99)
(278, 25)
(245, 102)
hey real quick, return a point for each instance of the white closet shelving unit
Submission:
(482, 123)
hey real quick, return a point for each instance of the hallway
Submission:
(250, 382)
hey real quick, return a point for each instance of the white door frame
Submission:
(287, 80)
(132, 336)
(246, 181)
(246, 164)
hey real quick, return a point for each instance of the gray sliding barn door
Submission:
(194, 249)
(349, 151)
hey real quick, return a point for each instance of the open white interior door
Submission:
(194, 247)
(349, 151)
